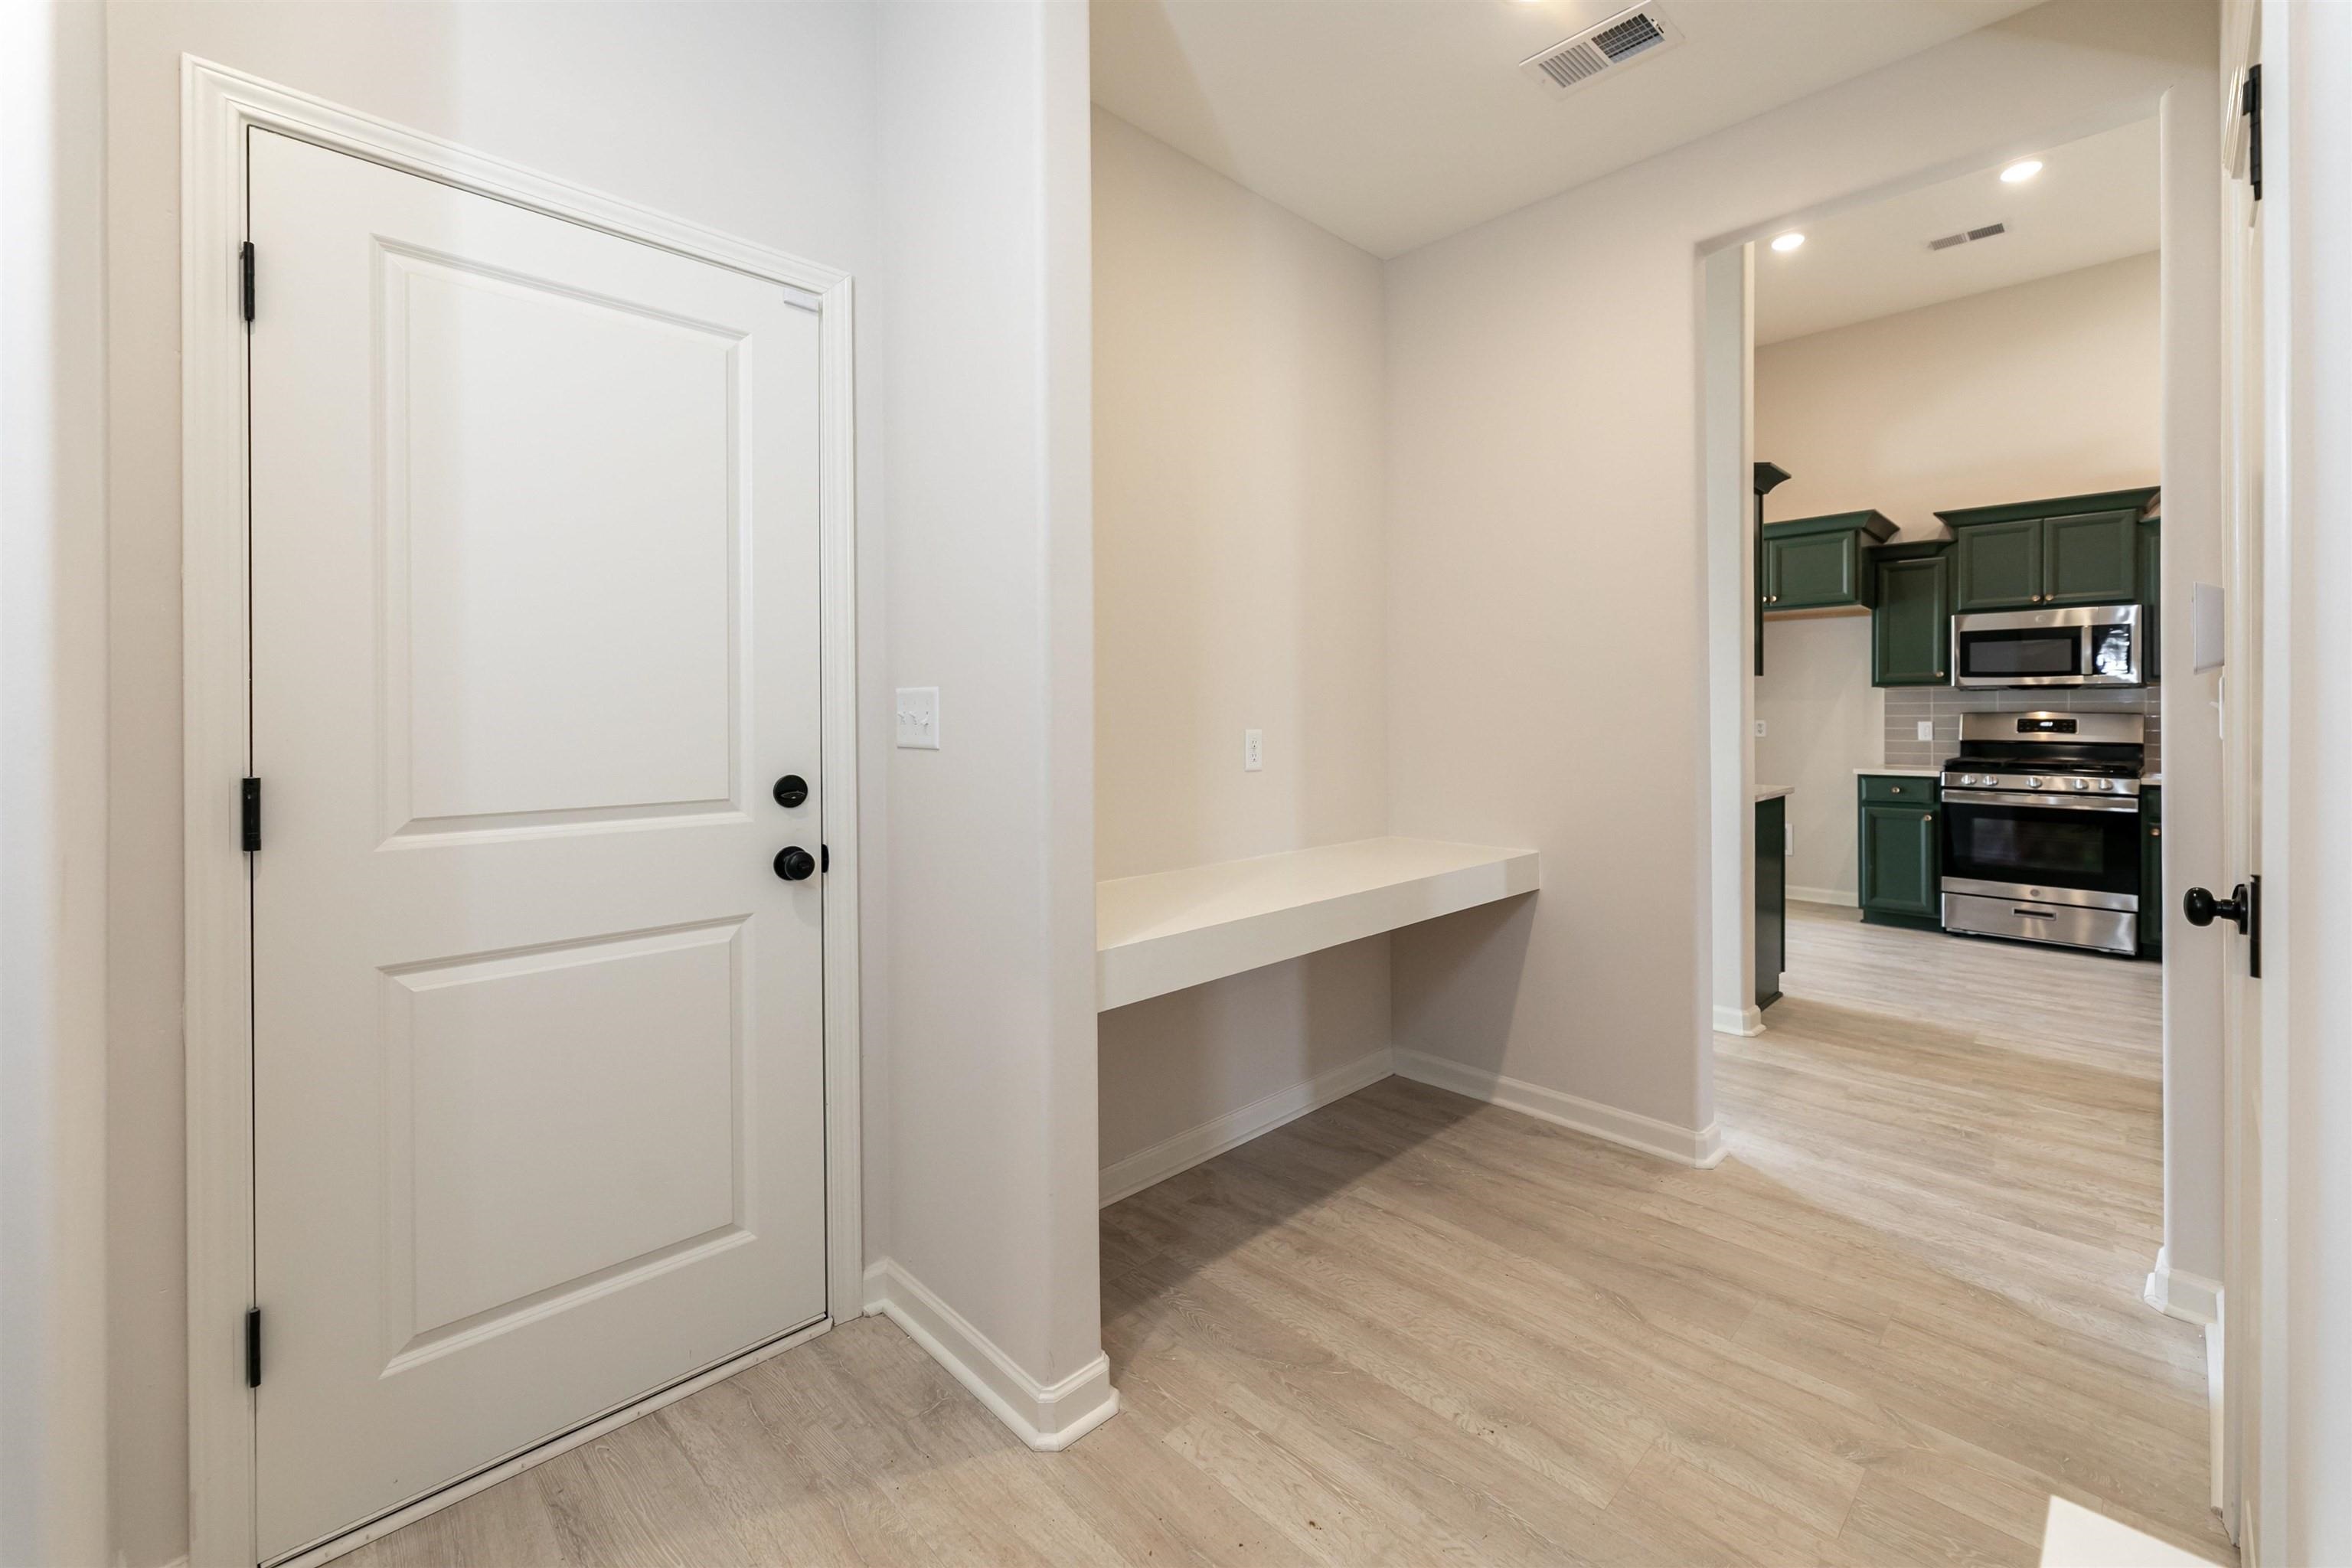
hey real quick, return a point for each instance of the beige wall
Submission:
(1548, 644)
(2053, 387)
(1239, 572)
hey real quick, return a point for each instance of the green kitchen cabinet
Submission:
(1911, 624)
(2071, 550)
(2152, 872)
(1998, 565)
(1901, 855)
(1772, 897)
(2151, 598)
(1821, 562)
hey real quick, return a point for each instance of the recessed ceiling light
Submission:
(1788, 241)
(2022, 170)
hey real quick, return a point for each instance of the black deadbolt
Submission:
(792, 790)
(794, 864)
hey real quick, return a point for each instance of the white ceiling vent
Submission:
(1966, 234)
(1620, 41)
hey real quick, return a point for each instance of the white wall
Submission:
(2051, 387)
(53, 1178)
(983, 302)
(1240, 564)
(757, 119)
(1549, 683)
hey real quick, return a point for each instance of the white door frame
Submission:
(218, 108)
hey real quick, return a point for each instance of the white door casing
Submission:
(550, 1079)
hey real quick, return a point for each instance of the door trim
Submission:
(218, 108)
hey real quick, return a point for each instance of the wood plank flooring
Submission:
(1412, 1329)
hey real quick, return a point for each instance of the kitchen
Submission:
(1958, 702)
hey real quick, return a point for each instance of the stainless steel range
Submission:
(2041, 828)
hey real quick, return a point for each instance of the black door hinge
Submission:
(252, 815)
(245, 278)
(2250, 104)
(253, 1347)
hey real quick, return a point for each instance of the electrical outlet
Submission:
(919, 718)
(1926, 729)
(1760, 729)
(1253, 750)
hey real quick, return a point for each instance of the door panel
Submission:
(2093, 559)
(1814, 571)
(1899, 875)
(539, 1083)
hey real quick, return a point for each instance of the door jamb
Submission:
(218, 107)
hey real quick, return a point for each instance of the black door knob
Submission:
(2202, 907)
(791, 790)
(794, 864)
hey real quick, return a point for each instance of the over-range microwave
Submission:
(2090, 645)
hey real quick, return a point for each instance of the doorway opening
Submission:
(1940, 945)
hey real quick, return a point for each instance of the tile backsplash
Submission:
(1942, 706)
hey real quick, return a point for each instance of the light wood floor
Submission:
(1409, 1327)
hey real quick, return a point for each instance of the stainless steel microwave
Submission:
(2091, 645)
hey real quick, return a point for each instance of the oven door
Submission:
(2092, 645)
(2059, 850)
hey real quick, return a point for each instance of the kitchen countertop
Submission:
(1898, 773)
(1773, 792)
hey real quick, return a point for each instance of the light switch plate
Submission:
(1253, 750)
(919, 718)
(2206, 628)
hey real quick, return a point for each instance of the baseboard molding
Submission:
(2177, 1293)
(1837, 898)
(1747, 1020)
(1149, 1167)
(1046, 1417)
(1701, 1147)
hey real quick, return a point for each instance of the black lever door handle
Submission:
(2202, 907)
(794, 864)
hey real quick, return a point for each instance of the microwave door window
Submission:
(2022, 653)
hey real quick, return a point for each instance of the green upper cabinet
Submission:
(1910, 628)
(2073, 550)
(1999, 566)
(1821, 562)
(2151, 597)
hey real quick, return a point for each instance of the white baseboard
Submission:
(1840, 897)
(1046, 1417)
(1702, 1147)
(1747, 1020)
(2177, 1293)
(1148, 1167)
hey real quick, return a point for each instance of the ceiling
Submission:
(1394, 122)
(2094, 200)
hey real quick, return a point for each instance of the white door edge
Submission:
(218, 107)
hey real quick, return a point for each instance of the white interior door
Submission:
(538, 1054)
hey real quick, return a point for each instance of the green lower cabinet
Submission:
(1901, 870)
(1911, 625)
(2151, 873)
(1997, 565)
(2151, 598)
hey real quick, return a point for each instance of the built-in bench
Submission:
(1173, 929)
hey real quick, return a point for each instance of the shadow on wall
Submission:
(1455, 982)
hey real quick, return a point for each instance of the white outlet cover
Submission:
(1926, 729)
(1253, 750)
(1760, 729)
(919, 718)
